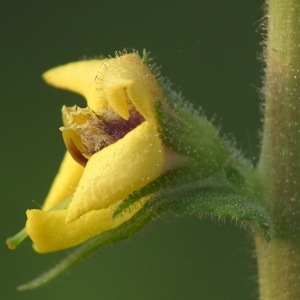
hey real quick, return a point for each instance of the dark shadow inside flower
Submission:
(118, 128)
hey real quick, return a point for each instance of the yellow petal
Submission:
(110, 81)
(75, 115)
(49, 231)
(114, 90)
(64, 183)
(117, 170)
(79, 77)
(127, 75)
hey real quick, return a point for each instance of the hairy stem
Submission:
(279, 260)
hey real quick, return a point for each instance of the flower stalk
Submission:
(279, 259)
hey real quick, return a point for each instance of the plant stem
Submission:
(279, 165)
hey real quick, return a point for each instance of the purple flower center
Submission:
(117, 129)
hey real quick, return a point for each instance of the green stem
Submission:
(279, 260)
(13, 242)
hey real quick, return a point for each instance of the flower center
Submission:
(86, 132)
(101, 131)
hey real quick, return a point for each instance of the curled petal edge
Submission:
(50, 232)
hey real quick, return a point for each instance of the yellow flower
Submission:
(114, 150)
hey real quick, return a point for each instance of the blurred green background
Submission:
(209, 50)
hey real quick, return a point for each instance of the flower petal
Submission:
(128, 75)
(78, 77)
(117, 170)
(64, 183)
(110, 81)
(49, 231)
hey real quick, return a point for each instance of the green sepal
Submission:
(186, 130)
(212, 196)
(224, 204)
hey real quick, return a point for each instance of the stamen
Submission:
(103, 130)
(87, 132)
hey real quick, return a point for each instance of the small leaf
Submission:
(223, 204)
